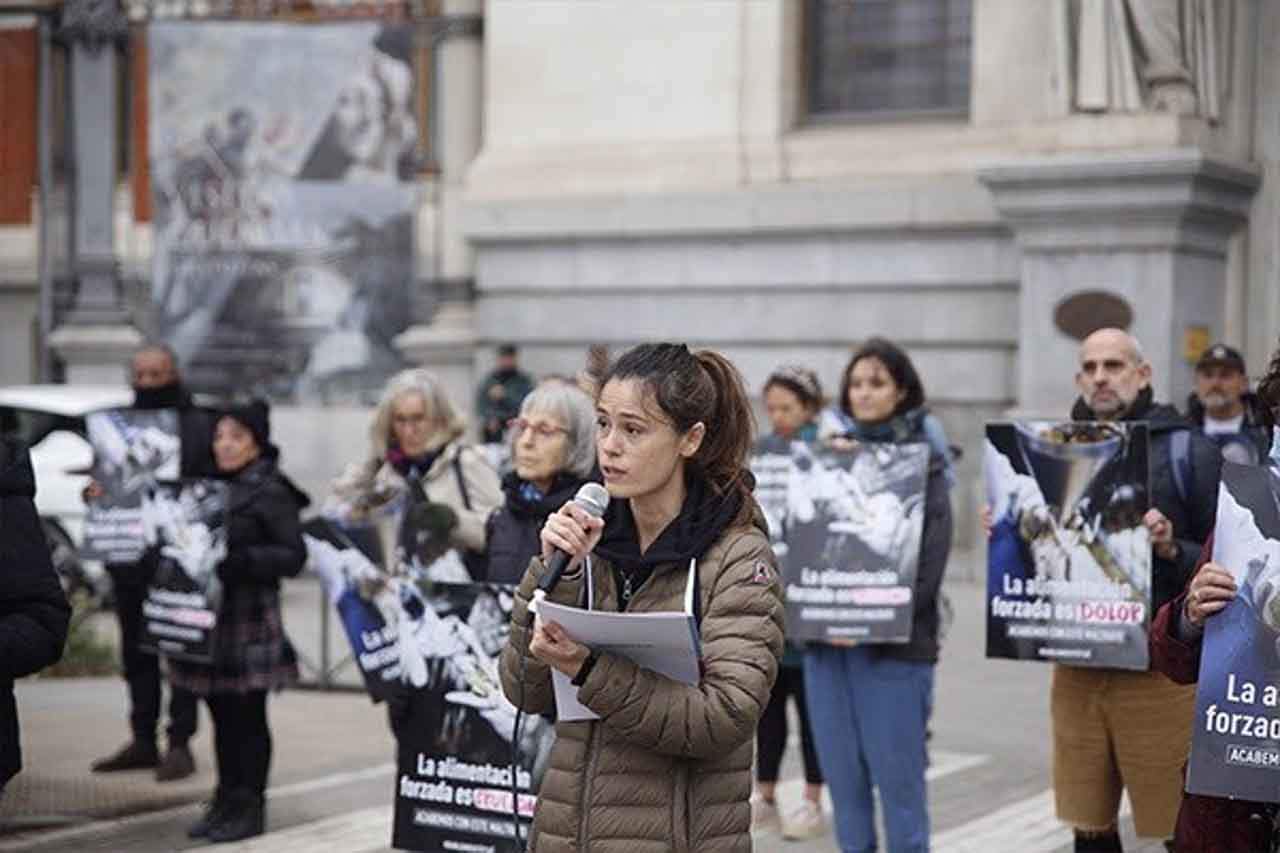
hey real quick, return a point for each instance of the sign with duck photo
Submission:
(184, 527)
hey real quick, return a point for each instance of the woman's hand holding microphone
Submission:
(574, 531)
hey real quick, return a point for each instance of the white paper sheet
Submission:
(666, 643)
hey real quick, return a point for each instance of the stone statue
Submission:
(1164, 55)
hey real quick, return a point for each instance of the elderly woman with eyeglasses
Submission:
(553, 450)
(420, 463)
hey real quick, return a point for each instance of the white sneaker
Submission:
(803, 822)
(764, 815)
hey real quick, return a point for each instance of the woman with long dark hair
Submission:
(667, 766)
(869, 704)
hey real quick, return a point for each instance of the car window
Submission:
(31, 426)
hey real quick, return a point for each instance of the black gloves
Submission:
(399, 708)
(235, 566)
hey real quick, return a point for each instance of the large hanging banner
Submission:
(1235, 740)
(281, 162)
(851, 527)
(132, 450)
(185, 524)
(1069, 558)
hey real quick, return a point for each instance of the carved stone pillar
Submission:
(446, 345)
(96, 336)
(1149, 227)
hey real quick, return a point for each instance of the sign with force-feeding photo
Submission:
(132, 450)
(1068, 556)
(184, 526)
(454, 784)
(436, 645)
(1235, 736)
(851, 532)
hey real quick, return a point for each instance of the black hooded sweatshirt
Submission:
(33, 610)
(1192, 518)
(703, 517)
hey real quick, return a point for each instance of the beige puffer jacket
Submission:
(668, 765)
(362, 491)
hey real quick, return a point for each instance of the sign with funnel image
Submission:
(1069, 559)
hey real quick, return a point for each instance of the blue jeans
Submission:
(868, 715)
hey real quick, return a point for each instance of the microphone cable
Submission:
(515, 745)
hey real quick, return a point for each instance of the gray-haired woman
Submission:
(420, 458)
(553, 448)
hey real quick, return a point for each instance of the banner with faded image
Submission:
(282, 157)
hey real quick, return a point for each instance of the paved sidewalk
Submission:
(332, 774)
(66, 724)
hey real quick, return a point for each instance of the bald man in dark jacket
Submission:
(33, 610)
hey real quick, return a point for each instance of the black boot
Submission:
(213, 812)
(134, 755)
(245, 817)
(1098, 842)
(178, 763)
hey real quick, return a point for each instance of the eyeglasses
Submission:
(542, 431)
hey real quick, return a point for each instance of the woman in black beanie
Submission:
(251, 654)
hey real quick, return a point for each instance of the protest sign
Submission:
(132, 450)
(1068, 558)
(185, 524)
(852, 529)
(1235, 740)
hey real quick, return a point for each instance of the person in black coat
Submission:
(553, 447)
(34, 613)
(156, 385)
(1225, 411)
(251, 654)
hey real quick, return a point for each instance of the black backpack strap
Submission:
(1180, 462)
(462, 481)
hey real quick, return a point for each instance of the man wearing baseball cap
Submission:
(1224, 408)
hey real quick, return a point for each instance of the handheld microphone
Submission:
(592, 497)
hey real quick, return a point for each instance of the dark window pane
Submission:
(888, 55)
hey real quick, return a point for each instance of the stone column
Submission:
(447, 344)
(96, 336)
(1149, 227)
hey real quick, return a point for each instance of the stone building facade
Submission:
(781, 178)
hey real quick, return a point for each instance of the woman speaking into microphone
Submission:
(667, 767)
